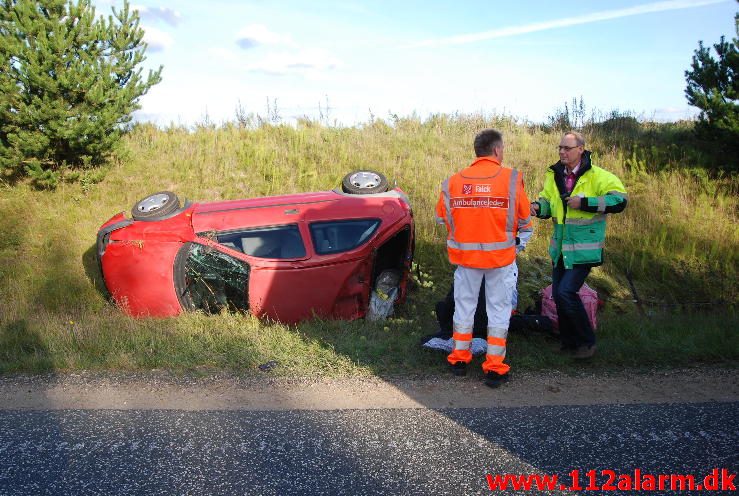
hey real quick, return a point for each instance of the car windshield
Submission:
(213, 280)
(266, 242)
(342, 235)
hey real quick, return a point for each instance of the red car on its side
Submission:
(287, 257)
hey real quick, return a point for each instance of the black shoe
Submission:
(584, 352)
(494, 379)
(458, 368)
(567, 350)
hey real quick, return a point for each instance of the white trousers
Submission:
(500, 283)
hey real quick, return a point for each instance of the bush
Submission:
(713, 87)
(68, 85)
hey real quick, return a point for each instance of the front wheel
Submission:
(157, 205)
(364, 182)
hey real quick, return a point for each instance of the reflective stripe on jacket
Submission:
(483, 207)
(579, 234)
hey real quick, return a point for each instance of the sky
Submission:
(347, 61)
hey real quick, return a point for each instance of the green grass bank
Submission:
(678, 238)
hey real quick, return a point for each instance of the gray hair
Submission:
(578, 137)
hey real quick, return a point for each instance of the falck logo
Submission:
(466, 189)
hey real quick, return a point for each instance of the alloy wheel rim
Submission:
(364, 180)
(153, 202)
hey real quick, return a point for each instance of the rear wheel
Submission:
(364, 182)
(157, 205)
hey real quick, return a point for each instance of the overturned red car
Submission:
(289, 257)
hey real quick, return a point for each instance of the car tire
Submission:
(155, 206)
(364, 182)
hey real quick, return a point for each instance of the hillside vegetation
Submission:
(678, 238)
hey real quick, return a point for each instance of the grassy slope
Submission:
(678, 237)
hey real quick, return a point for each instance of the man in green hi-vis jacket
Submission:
(578, 197)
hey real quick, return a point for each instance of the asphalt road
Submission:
(413, 451)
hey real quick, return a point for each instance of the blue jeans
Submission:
(574, 326)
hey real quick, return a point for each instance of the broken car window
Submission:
(342, 235)
(266, 242)
(214, 280)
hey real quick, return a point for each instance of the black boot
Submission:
(494, 379)
(458, 368)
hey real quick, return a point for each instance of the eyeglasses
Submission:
(567, 148)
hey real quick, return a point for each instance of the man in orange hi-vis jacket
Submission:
(483, 207)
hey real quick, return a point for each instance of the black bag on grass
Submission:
(518, 323)
(445, 313)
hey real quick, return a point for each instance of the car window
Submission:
(266, 242)
(342, 235)
(211, 280)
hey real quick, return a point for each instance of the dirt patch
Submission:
(161, 390)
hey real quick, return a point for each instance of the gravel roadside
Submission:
(163, 390)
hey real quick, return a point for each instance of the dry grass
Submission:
(679, 237)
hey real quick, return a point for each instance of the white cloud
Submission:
(310, 60)
(257, 34)
(223, 53)
(569, 21)
(156, 39)
(170, 16)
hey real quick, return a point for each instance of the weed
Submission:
(678, 238)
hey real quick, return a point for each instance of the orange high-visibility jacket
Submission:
(483, 207)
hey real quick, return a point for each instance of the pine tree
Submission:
(713, 87)
(69, 84)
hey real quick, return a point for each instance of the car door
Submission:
(332, 283)
(216, 270)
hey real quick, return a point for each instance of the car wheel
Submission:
(156, 205)
(364, 182)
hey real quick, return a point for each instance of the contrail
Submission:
(569, 21)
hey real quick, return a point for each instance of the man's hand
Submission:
(574, 202)
(534, 209)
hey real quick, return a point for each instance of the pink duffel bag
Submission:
(589, 300)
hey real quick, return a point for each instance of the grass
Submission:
(678, 238)
(197, 343)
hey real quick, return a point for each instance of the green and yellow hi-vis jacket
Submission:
(579, 234)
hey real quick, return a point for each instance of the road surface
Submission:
(225, 443)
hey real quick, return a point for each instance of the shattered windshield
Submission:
(211, 280)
